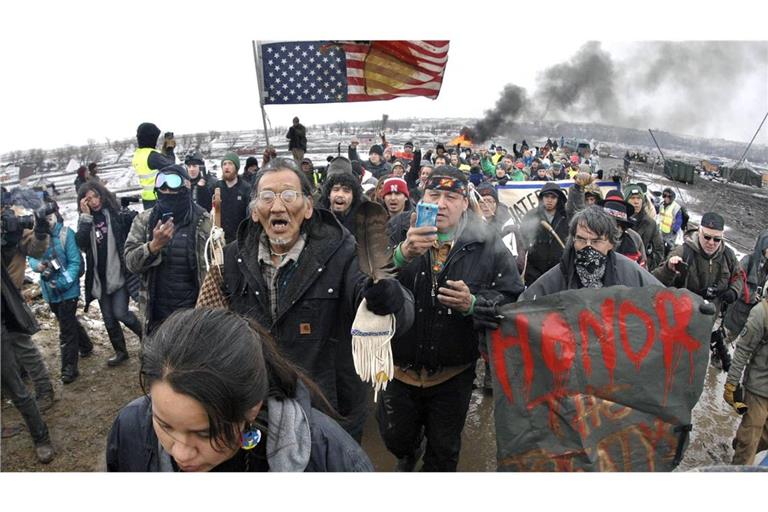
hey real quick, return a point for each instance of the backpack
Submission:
(685, 218)
(63, 238)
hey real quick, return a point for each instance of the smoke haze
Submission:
(685, 87)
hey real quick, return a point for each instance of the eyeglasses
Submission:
(286, 196)
(171, 181)
(709, 238)
(594, 242)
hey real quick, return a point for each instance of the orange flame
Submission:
(461, 140)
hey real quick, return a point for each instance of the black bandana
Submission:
(590, 267)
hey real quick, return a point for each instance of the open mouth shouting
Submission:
(279, 225)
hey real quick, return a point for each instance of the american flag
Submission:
(337, 71)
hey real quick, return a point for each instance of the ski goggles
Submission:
(168, 180)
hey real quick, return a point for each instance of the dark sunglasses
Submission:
(167, 180)
(709, 238)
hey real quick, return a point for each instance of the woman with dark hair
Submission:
(220, 397)
(101, 232)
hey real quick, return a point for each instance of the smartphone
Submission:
(426, 214)
(166, 216)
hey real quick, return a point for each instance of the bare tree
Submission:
(62, 156)
(187, 142)
(200, 139)
(120, 147)
(15, 157)
(231, 140)
(213, 135)
(35, 157)
(89, 153)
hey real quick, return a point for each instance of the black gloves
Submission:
(729, 296)
(485, 315)
(384, 297)
(42, 228)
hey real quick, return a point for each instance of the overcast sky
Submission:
(73, 71)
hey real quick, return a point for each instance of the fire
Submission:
(461, 140)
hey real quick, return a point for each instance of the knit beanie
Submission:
(232, 157)
(394, 184)
(486, 189)
(251, 160)
(376, 149)
(339, 165)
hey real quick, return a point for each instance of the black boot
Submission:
(69, 373)
(117, 339)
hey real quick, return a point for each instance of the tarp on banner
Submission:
(598, 380)
(521, 196)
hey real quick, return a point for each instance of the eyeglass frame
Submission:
(275, 195)
(710, 238)
(592, 242)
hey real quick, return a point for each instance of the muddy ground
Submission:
(82, 415)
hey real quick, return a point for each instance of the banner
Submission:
(521, 196)
(598, 380)
(301, 72)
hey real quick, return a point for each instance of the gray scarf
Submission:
(115, 278)
(289, 443)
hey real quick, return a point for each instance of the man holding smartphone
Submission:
(458, 269)
(166, 247)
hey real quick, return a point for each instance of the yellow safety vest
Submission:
(668, 215)
(146, 175)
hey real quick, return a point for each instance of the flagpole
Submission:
(260, 80)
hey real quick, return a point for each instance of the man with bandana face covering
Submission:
(589, 259)
(166, 247)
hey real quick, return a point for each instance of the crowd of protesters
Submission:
(227, 389)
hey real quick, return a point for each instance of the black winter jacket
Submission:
(132, 445)
(442, 337)
(120, 225)
(720, 271)
(318, 298)
(202, 195)
(544, 251)
(619, 270)
(649, 232)
(234, 206)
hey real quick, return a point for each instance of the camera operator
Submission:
(23, 235)
(60, 269)
(707, 267)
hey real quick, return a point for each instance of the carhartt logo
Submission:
(305, 329)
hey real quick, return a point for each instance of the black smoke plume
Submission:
(682, 86)
(508, 107)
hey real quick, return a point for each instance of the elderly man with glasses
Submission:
(294, 269)
(166, 247)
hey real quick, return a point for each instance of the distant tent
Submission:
(742, 175)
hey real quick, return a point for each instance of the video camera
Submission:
(13, 225)
(127, 200)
